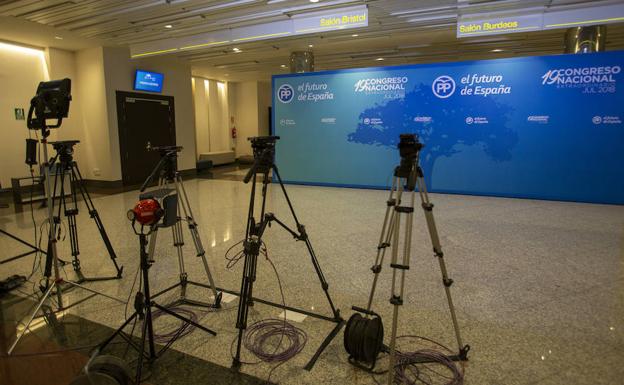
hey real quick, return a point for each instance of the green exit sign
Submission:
(19, 114)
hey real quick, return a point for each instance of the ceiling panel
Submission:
(399, 31)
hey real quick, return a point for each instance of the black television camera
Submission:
(264, 155)
(409, 150)
(50, 102)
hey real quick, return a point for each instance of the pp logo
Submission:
(285, 93)
(469, 120)
(443, 86)
(596, 120)
(366, 121)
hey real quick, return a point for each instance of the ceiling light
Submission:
(497, 50)
(355, 35)
(58, 37)
(314, 1)
(283, 66)
(380, 59)
(310, 45)
(235, 49)
(168, 26)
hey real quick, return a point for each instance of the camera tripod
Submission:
(168, 175)
(143, 305)
(52, 102)
(264, 152)
(67, 167)
(408, 177)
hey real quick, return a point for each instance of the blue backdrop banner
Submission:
(545, 127)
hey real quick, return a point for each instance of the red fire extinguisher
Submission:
(233, 132)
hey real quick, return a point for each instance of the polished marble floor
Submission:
(538, 285)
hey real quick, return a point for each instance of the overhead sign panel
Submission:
(498, 25)
(332, 20)
(491, 24)
(351, 17)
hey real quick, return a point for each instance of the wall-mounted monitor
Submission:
(148, 81)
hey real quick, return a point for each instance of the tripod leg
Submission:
(51, 225)
(399, 269)
(252, 248)
(258, 231)
(139, 370)
(96, 217)
(32, 317)
(437, 250)
(199, 247)
(384, 240)
(70, 214)
(146, 263)
(178, 242)
(304, 236)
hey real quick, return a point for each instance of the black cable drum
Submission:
(363, 339)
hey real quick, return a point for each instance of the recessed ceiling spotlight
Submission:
(168, 26)
(355, 35)
(497, 50)
(314, 1)
(380, 59)
(310, 45)
(283, 66)
(235, 49)
(58, 37)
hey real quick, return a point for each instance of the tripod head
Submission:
(167, 166)
(50, 102)
(264, 155)
(409, 150)
(64, 151)
(171, 151)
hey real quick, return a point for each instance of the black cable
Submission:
(233, 260)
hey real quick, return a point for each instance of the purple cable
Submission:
(259, 336)
(406, 371)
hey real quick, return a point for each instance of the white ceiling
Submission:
(399, 31)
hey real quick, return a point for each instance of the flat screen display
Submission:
(148, 81)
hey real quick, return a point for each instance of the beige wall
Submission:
(246, 117)
(202, 128)
(89, 90)
(212, 111)
(96, 74)
(249, 103)
(119, 76)
(20, 73)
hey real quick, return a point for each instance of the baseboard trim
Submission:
(103, 184)
(188, 172)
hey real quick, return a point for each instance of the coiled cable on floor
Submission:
(258, 338)
(180, 331)
(407, 372)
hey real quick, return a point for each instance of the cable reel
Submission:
(105, 370)
(363, 338)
